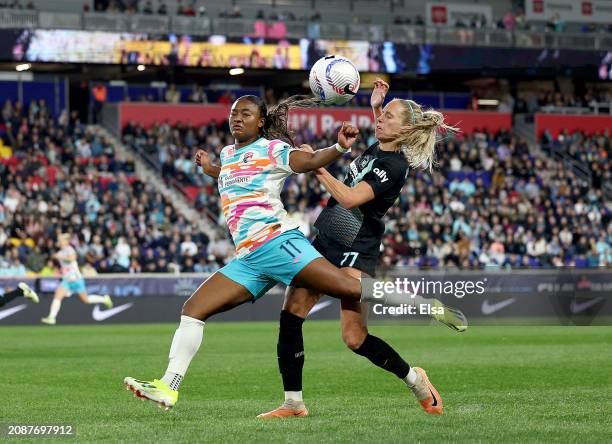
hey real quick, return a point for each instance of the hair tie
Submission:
(411, 111)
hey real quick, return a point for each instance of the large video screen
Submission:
(224, 52)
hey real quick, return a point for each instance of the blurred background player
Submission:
(22, 289)
(350, 236)
(72, 281)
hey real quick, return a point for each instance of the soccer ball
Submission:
(334, 79)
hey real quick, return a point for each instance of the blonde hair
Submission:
(418, 135)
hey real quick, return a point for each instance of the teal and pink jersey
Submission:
(250, 183)
(70, 268)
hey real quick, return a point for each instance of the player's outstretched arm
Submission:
(348, 197)
(202, 159)
(303, 161)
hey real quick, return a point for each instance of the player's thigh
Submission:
(324, 277)
(353, 316)
(299, 301)
(217, 294)
(61, 292)
(84, 296)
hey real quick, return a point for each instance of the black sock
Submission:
(10, 295)
(290, 351)
(383, 355)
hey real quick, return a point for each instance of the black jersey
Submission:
(361, 229)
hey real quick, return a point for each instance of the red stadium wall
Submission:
(556, 123)
(318, 120)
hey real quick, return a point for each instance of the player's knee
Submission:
(190, 309)
(354, 337)
(296, 308)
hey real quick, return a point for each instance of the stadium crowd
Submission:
(58, 176)
(555, 99)
(490, 202)
(592, 151)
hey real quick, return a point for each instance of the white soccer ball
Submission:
(334, 79)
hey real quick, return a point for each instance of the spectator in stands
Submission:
(198, 95)
(162, 9)
(172, 94)
(555, 23)
(99, 94)
(236, 12)
(189, 10)
(122, 254)
(148, 8)
(188, 246)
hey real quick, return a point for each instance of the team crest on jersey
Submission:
(248, 156)
(364, 161)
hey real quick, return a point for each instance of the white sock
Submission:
(411, 377)
(56, 304)
(185, 345)
(295, 396)
(95, 299)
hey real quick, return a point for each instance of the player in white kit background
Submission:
(72, 281)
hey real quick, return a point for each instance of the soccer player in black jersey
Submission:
(349, 236)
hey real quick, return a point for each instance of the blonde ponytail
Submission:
(418, 136)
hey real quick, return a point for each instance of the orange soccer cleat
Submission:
(426, 393)
(289, 409)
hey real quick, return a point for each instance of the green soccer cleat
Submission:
(108, 303)
(451, 317)
(28, 292)
(48, 320)
(156, 391)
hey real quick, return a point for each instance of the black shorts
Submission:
(342, 256)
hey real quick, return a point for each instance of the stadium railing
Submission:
(300, 29)
(596, 108)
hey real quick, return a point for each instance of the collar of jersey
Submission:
(246, 146)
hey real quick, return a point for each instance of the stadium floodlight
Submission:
(236, 71)
(22, 67)
(140, 68)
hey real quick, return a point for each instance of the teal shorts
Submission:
(278, 260)
(77, 286)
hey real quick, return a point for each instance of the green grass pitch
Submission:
(499, 384)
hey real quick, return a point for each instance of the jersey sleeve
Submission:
(279, 152)
(385, 173)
